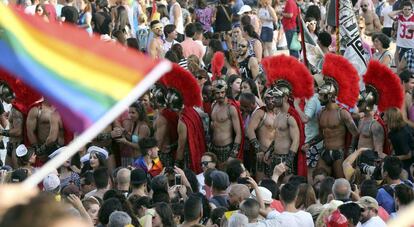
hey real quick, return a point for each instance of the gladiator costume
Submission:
(288, 77)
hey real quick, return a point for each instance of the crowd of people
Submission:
(236, 134)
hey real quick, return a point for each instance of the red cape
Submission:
(387, 146)
(195, 137)
(301, 155)
(207, 108)
(237, 105)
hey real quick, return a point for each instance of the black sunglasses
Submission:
(205, 163)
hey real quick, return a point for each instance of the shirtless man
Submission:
(372, 22)
(15, 131)
(261, 131)
(165, 127)
(286, 136)
(407, 80)
(156, 46)
(44, 129)
(334, 122)
(225, 125)
(371, 132)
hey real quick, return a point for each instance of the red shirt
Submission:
(52, 12)
(290, 23)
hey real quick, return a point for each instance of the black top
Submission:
(245, 71)
(223, 21)
(70, 14)
(102, 20)
(403, 142)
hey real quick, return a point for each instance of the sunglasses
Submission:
(364, 5)
(312, 23)
(200, 77)
(205, 163)
(242, 46)
(39, 10)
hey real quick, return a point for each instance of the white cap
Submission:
(99, 150)
(56, 152)
(51, 182)
(244, 9)
(265, 193)
(86, 157)
(21, 151)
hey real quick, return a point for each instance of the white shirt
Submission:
(265, 17)
(384, 13)
(180, 23)
(31, 10)
(297, 219)
(167, 45)
(200, 179)
(404, 37)
(374, 222)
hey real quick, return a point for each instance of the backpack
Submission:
(142, 37)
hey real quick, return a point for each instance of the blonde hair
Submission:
(394, 119)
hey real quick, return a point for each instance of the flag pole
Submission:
(91, 132)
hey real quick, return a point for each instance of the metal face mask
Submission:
(278, 97)
(174, 100)
(327, 93)
(367, 99)
(158, 97)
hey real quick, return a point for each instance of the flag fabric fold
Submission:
(84, 77)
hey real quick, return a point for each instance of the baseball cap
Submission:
(19, 175)
(368, 202)
(138, 176)
(265, 193)
(51, 182)
(219, 179)
(244, 9)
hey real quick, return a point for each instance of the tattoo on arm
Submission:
(349, 123)
(378, 136)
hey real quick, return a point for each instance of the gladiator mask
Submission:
(6, 93)
(282, 89)
(270, 98)
(328, 91)
(158, 96)
(367, 99)
(174, 100)
(219, 85)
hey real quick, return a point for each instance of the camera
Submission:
(177, 179)
(366, 169)
(169, 170)
(243, 180)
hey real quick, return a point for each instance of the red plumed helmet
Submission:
(217, 64)
(185, 83)
(25, 95)
(386, 84)
(289, 69)
(346, 77)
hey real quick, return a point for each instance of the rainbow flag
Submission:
(82, 76)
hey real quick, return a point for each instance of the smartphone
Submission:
(242, 180)
(177, 179)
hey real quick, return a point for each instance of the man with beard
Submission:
(248, 64)
(156, 46)
(384, 89)
(288, 83)
(261, 131)
(44, 130)
(372, 22)
(225, 125)
(341, 84)
(165, 125)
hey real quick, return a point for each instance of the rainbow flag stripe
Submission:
(83, 76)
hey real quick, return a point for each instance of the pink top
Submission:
(191, 47)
